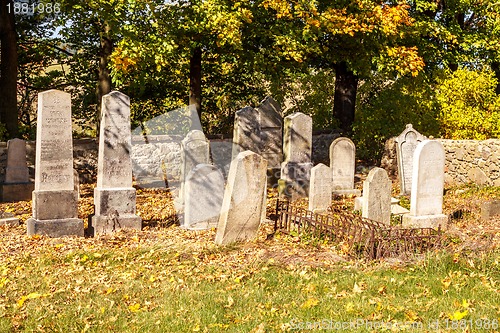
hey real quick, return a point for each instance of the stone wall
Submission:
(147, 158)
(466, 161)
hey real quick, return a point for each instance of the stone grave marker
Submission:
(271, 132)
(342, 164)
(320, 189)
(8, 219)
(426, 203)
(114, 196)
(297, 149)
(204, 191)
(17, 185)
(246, 131)
(406, 143)
(55, 203)
(242, 205)
(195, 149)
(377, 196)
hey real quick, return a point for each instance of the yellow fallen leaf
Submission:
(23, 299)
(230, 302)
(310, 303)
(458, 315)
(258, 329)
(134, 307)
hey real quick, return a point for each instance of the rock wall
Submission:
(466, 161)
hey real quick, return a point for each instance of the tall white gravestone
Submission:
(114, 196)
(342, 164)
(55, 203)
(17, 185)
(377, 196)
(426, 205)
(320, 189)
(406, 143)
(242, 206)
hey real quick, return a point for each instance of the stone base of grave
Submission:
(55, 205)
(112, 223)
(55, 227)
(202, 225)
(354, 192)
(11, 221)
(425, 221)
(16, 192)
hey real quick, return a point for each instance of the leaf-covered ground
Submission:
(166, 279)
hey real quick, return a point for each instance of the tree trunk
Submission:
(195, 80)
(104, 76)
(344, 103)
(496, 69)
(8, 69)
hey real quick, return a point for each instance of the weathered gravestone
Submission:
(271, 132)
(297, 149)
(320, 189)
(246, 131)
(241, 212)
(377, 196)
(426, 205)
(195, 149)
(114, 196)
(406, 143)
(17, 185)
(342, 164)
(55, 203)
(204, 191)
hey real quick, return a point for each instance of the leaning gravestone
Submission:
(320, 189)
(17, 185)
(241, 212)
(426, 205)
(114, 196)
(195, 149)
(297, 143)
(406, 143)
(377, 196)
(204, 191)
(55, 210)
(342, 164)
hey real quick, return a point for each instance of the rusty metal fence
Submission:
(355, 234)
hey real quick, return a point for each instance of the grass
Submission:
(173, 280)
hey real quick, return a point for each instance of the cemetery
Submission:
(225, 218)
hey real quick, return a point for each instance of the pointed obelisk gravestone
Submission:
(114, 196)
(17, 185)
(242, 206)
(406, 143)
(297, 149)
(204, 191)
(342, 164)
(320, 189)
(377, 196)
(426, 205)
(55, 204)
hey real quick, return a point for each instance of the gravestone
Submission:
(297, 149)
(114, 196)
(406, 143)
(204, 191)
(377, 196)
(271, 132)
(242, 206)
(55, 203)
(342, 164)
(17, 185)
(246, 131)
(320, 189)
(195, 149)
(426, 204)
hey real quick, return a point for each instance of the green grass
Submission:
(139, 286)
